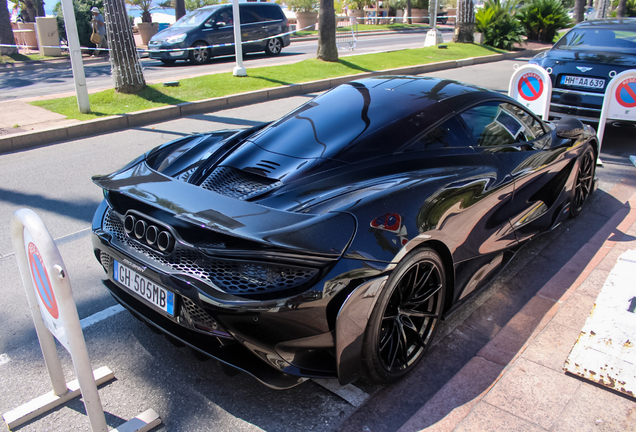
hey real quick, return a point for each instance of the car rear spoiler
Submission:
(327, 234)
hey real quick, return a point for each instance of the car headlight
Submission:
(176, 39)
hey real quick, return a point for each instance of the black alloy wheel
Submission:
(273, 47)
(584, 181)
(199, 55)
(406, 316)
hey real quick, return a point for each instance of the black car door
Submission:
(531, 153)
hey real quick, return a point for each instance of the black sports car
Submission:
(583, 62)
(331, 242)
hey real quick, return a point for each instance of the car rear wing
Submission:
(327, 234)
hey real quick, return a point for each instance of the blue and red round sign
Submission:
(41, 281)
(626, 93)
(530, 86)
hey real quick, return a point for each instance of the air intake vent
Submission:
(238, 184)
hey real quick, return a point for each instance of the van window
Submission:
(248, 16)
(269, 13)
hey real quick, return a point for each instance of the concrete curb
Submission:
(454, 402)
(28, 140)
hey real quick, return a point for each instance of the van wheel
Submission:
(199, 55)
(273, 47)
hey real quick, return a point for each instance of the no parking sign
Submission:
(620, 100)
(532, 87)
(49, 309)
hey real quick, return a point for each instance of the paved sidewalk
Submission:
(516, 382)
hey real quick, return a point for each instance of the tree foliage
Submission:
(83, 17)
(629, 8)
(542, 19)
(499, 25)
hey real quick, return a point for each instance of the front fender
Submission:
(351, 324)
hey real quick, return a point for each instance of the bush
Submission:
(499, 25)
(630, 8)
(542, 19)
(303, 5)
(419, 4)
(83, 18)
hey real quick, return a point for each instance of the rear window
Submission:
(599, 39)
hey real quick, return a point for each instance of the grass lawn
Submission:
(15, 58)
(368, 27)
(109, 102)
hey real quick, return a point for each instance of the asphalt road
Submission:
(191, 395)
(52, 81)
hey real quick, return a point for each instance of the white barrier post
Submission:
(239, 69)
(619, 102)
(531, 85)
(54, 312)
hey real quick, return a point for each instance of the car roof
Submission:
(359, 119)
(608, 22)
(215, 6)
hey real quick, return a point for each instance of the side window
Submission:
(248, 16)
(269, 13)
(496, 124)
(451, 133)
(224, 18)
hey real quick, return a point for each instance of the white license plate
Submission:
(144, 287)
(154, 48)
(583, 82)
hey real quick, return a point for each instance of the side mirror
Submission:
(569, 128)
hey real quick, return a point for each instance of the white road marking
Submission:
(4, 359)
(350, 393)
(100, 316)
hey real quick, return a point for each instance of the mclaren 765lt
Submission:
(331, 242)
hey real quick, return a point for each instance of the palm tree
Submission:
(465, 21)
(128, 77)
(327, 49)
(6, 32)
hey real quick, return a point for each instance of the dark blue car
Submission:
(583, 62)
(214, 25)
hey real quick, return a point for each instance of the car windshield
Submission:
(599, 39)
(194, 18)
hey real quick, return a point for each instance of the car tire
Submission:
(167, 62)
(199, 55)
(405, 318)
(584, 183)
(273, 47)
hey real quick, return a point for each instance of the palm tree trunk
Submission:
(179, 8)
(465, 22)
(579, 6)
(128, 76)
(327, 49)
(602, 10)
(622, 7)
(6, 32)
